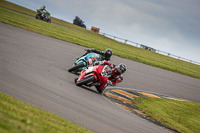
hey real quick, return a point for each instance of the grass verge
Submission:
(183, 116)
(80, 36)
(24, 10)
(18, 117)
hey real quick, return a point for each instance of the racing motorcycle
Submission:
(79, 22)
(94, 76)
(45, 18)
(85, 61)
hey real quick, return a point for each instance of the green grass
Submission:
(183, 116)
(15, 7)
(24, 10)
(16, 116)
(20, 117)
(80, 36)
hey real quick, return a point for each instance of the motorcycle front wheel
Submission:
(85, 81)
(77, 66)
(49, 20)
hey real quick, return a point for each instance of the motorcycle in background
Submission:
(79, 22)
(44, 17)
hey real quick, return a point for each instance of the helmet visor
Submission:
(119, 71)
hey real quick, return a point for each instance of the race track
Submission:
(33, 68)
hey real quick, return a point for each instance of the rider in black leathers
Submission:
(105, 54)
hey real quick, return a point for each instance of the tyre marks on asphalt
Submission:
(124, 97)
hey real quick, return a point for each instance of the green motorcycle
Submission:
(44, 16)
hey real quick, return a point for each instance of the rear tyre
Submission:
(85, 81)
(75, 67)
(37, 16)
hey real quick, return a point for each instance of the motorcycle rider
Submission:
(116, 76)
(76, 20)
(42, 9)
(105, 54)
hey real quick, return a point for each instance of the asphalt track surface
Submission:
(33, 68)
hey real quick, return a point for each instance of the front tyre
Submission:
(75, 67)
(84, 26)
(48, 20)
(75, 80)
(85, 81)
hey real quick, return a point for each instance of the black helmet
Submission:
(108, 54)
(121, 68)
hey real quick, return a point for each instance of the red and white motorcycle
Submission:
(94, 75)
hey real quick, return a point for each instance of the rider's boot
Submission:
(99, 89)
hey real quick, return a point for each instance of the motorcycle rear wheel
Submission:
(85, 81)
(75, 67)
(37, 16)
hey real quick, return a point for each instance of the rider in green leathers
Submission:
(42, 9)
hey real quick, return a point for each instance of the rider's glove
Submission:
(88, 50)
(113, 65)
(121, 78)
